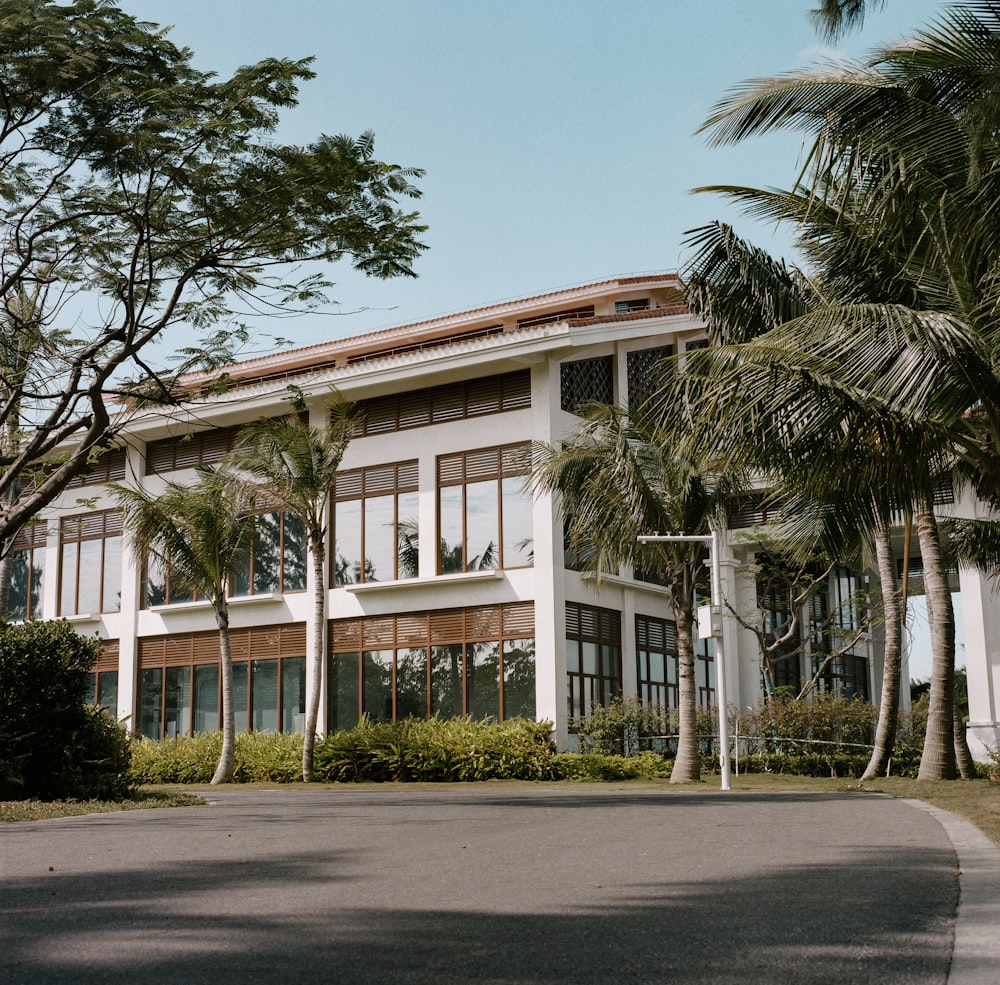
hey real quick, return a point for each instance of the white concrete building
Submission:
(451, 593)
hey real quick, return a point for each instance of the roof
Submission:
(503, 317)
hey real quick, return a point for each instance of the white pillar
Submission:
(981, 620)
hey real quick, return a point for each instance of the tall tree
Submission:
(198, 533)
(143, 194)
(619, 476)
(295, 465)
(779, 419)
(898, 207)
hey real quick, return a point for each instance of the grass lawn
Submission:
(40, 810)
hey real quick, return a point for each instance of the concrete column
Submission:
(981, 617)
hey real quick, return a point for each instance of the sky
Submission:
(558, 136)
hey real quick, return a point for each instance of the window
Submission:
(103, 690)
(439, 404)
(704, 672)
(27, 568)
(568, 314)
(585, 381)
(643, 368)
(375, 524)
(593, 657)
(656, 660)
(845, 676)
(634, 304)
(484, 510)
(276, 558)
(91, 563)
(452, 662)
(179, 689)
(275, 561)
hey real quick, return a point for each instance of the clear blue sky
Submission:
(557, 135)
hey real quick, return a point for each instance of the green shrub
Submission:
(624, 727)
(594, 766)
(260, 757)
(53, 746)
(437, 750)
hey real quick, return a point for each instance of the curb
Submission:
(975, 959)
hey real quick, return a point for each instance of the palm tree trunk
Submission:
(316, 549)
(687, 764)
(888, 714)
(938, 759)
(963, 756)
(227, 757)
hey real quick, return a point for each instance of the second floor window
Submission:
(27, 567)
(375, 524)
(91, 563)
(484, 510)
(275, 561)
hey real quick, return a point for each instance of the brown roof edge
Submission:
(426, 330)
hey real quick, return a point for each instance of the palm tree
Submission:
(619, 476)
(295, 465)
(898, 210)
(198, 533)
(835, 18)
(779, 422)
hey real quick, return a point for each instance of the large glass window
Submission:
(375, 524)
(103, 688)
(179, 690)
(27, 569)
(478, 662)
(656, 661)
(276, 558)
(274, 561)
(593, 657)
(484, 510)
(91, 563)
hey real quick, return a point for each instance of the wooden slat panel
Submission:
(447, 626)
(33, 535)
(518, 620)
(516, 390)
(414, 409)
(451, 469)
(412, 630)
(482, 623)
(345, 635)
(483, 397)
(379, 633)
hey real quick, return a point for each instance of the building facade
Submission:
(451, 589)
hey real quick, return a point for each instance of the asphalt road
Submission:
(485, 883)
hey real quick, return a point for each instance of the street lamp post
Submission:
(714, 542)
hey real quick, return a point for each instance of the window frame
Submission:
(395, 479)
(602, 628)
(103, 526)
(467, 468)
(467, 628)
